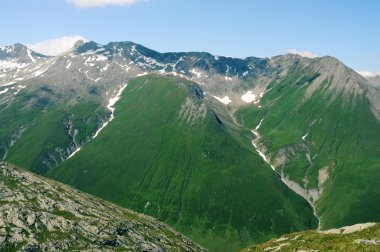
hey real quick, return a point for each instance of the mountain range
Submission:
(228, 151)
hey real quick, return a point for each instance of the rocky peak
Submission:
(86, 47)
(78, 44)
(19, 53)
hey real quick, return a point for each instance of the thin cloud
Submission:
(102, 3)
(53, 47)
(368, 74)
(307, 54)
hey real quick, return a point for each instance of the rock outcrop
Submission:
(359, 237)
(38, 214)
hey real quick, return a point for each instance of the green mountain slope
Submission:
(327, 140)
(35, 126)
(185, 154)
(167, 154)
(39, 214)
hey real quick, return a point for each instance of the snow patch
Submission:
(198, 74)
(259, 125)
(101, 58)
(68, 65)
(7, 64)
(88, 77)
(225, 100)
(304, 136)
(4, 91)
(105, 68)
(248, 97)
(227, 77)
(75, 152)
(134, 50)
(39, 72)
(92, 52)
(7, 84)
(111, 103)
(30, 56)
(142, 74)
(256, 145)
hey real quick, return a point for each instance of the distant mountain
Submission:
(14, 66)
(19, 53)
(206, 143)
(38, 214)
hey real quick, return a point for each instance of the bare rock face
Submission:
(38, 214)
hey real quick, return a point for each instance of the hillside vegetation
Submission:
(359, 237)
(167, 154)
(327, 142)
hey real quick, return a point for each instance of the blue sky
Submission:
(346, 29)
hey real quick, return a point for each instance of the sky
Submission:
(346, 29)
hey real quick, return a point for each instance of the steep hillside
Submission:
(38, 214)
(359, 237)
(169, 155)
(40, 127)
(321, 133)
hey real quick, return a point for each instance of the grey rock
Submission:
(38, 214)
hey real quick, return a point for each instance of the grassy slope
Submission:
(43, 118)
(343, 135)
(195, 177)
(314, 241)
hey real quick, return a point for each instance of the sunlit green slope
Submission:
(167, 154)
(326, 141)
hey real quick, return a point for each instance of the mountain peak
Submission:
(19, 53)
(78, 44)
(87, 46)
